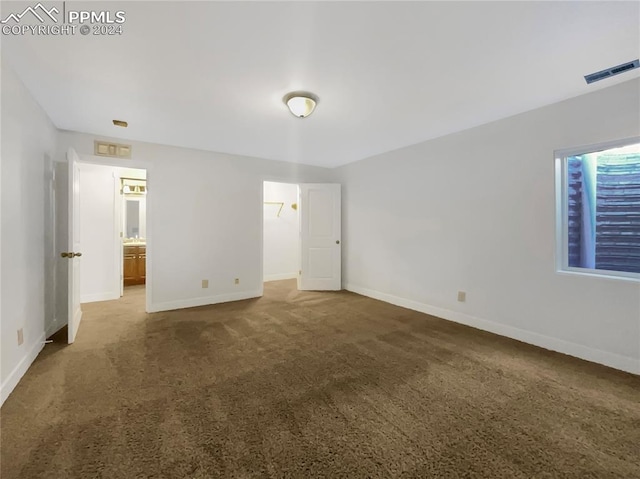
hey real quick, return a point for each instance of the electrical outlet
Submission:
(20, 336)
(205, 283)
(462, 296)
(237, 281)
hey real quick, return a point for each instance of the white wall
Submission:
(27, 251)
(281, 233)
(204, 219)
(475, 211)
(99, 269)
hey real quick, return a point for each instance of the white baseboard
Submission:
(202, 301)
(92, 298)
(280, 277)
(21, 368)
(613, 360)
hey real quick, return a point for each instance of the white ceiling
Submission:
(212, 75)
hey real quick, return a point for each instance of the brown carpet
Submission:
(304, 384)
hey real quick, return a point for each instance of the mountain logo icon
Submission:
(39, 11)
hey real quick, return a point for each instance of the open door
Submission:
(321, 251)
(73, 252)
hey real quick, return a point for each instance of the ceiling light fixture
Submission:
(121, 123)
(300, 103)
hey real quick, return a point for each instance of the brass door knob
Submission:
(77, 254)
(66, 255)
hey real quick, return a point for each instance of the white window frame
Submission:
(561, 205)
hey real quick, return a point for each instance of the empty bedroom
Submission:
(320, 239)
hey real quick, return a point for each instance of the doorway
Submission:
(133, 209)
(281, 237)
(302, 234)
(113, 230)
(89, 236)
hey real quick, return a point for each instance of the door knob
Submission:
(337, 241)
(70, 255)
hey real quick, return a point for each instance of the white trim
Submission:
(202, 301)
(92, 298)
(118, 200)
(624, 363)
(560, 206)
(261, 251)
(595, 147)
(148, 282)
(280, 276)
(601, 273)
(21, 368)
(133, 163)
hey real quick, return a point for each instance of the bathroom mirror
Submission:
(132, 218)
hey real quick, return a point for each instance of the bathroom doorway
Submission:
(98, 223)
(133, 191)
(113, 231)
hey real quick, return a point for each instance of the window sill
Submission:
(601, 274)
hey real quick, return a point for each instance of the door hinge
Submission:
(300, 272)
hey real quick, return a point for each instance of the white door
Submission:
(73, 252)
(321, 251)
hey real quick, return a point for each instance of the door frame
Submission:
(287, 181)
(131, 164)
(298, 182)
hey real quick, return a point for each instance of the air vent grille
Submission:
(623, 68)
(113, 150)
(609, 72)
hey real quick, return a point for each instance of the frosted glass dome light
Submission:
(301, 104)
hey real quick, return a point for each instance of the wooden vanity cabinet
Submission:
(135, 265)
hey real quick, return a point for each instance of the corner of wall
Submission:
(7, 387)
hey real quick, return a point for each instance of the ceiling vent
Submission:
(113, 150)
(609, 72)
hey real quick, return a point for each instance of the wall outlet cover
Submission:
(20, 336)
(462, 296)
(205, 283)
(237, 281)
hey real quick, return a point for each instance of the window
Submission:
(599, 209)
